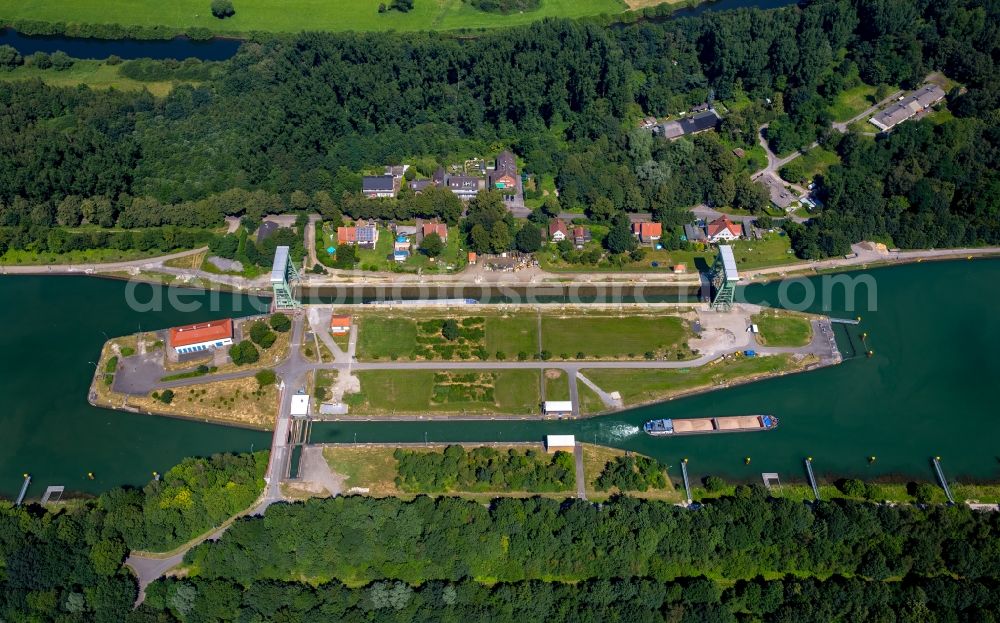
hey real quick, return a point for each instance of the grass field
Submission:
(594, 460)
(293, 15)
(414, 392)
(372, 468)
(853, 101)
(641, 386)
(814, 162)
(556, 385)
(95, 74)
(782, 329)
(383, 337)
(590, 402)
(603, 337)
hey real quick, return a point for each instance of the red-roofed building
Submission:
(723, 229)
(557, 230)
(201, 336)
(340, 324)
(647, 232)
(472, 257)
(347, 235)
(436, 228)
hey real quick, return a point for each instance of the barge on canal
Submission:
(704, 425)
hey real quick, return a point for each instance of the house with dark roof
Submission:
(694, 233)
(504, 176)
(906, 107)
(465, 187)
(581, 236)
(378, 186)
(693, 124)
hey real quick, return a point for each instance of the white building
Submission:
(557, 407)
(555, 443)
(300, 405)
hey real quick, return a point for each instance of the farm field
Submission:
(294, 15)
(613, 337)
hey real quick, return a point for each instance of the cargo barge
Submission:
(704, 425)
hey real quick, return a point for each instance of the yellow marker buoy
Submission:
(938, 458)
(685, 459)
(90, 475)
(25, 474)
(747, 460)
(969, 257)
(870, 353)
(809, 458)
(871, 459)
(859, 318)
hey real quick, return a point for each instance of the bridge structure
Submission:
(724, 278)
(284, 276)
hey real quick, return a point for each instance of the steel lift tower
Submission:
(283, 276)
(724, 278)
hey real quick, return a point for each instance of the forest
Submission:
(306, 114)
(66, 565)
(360, 540)
(484, 469)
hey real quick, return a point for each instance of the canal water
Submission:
(78, 47)
(925, 391)
(52, 331)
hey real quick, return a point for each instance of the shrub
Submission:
(261, 334)
(852, 487)
(280, 322)
(244, 353)
(127, 351)
(714, 484)
(223, 8)
(41, 60)
(449, 329)
(265, 377)
(166, 397)
(9, 57)
(61, 61)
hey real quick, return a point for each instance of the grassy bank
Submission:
(782, 329)
(642, 386)
(294, 15)
(92, 73)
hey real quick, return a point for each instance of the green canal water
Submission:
(926, 392)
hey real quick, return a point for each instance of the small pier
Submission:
(24, 490)
(812, 477)
(944, 481)
(846, 320)
(687, 483)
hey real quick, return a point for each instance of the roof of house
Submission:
(340, 321)
(693, 232)
(911, 104)
(698, 122)
(439, 228)
(347, 234)
(419, 185)
(367, 233)
(376, 183)
(647, 230)
(557, 225)
(580, 231)
(472, 256)
(463, 182)
(201, 332)
(506, 163)
(722, 223)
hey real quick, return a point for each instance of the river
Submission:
(220, 49)
(922, 394)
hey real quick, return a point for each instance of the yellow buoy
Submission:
(685, 459)
(871, 459)
(969, 257)
(25, 474)
(870, 353)
(938, 458)
(747, 460)
(90, 475)
(859, 318)
(809, 458)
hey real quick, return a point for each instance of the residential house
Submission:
(504, 176)
(340, 324)
(435, 228)
(378, 186)
(581, 236)
(700, 107)
(698, 122)
(436, 180)
(723, 229)
(680, 269)
(472, 258)
(397, 170)
(647, 232)
(911, 104)
(360, 235)
(464, 187)
(557, 230)
(694, 233)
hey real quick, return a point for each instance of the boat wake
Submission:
(617, 432)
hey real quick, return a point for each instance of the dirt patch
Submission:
(635, 5)
(553, 374)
